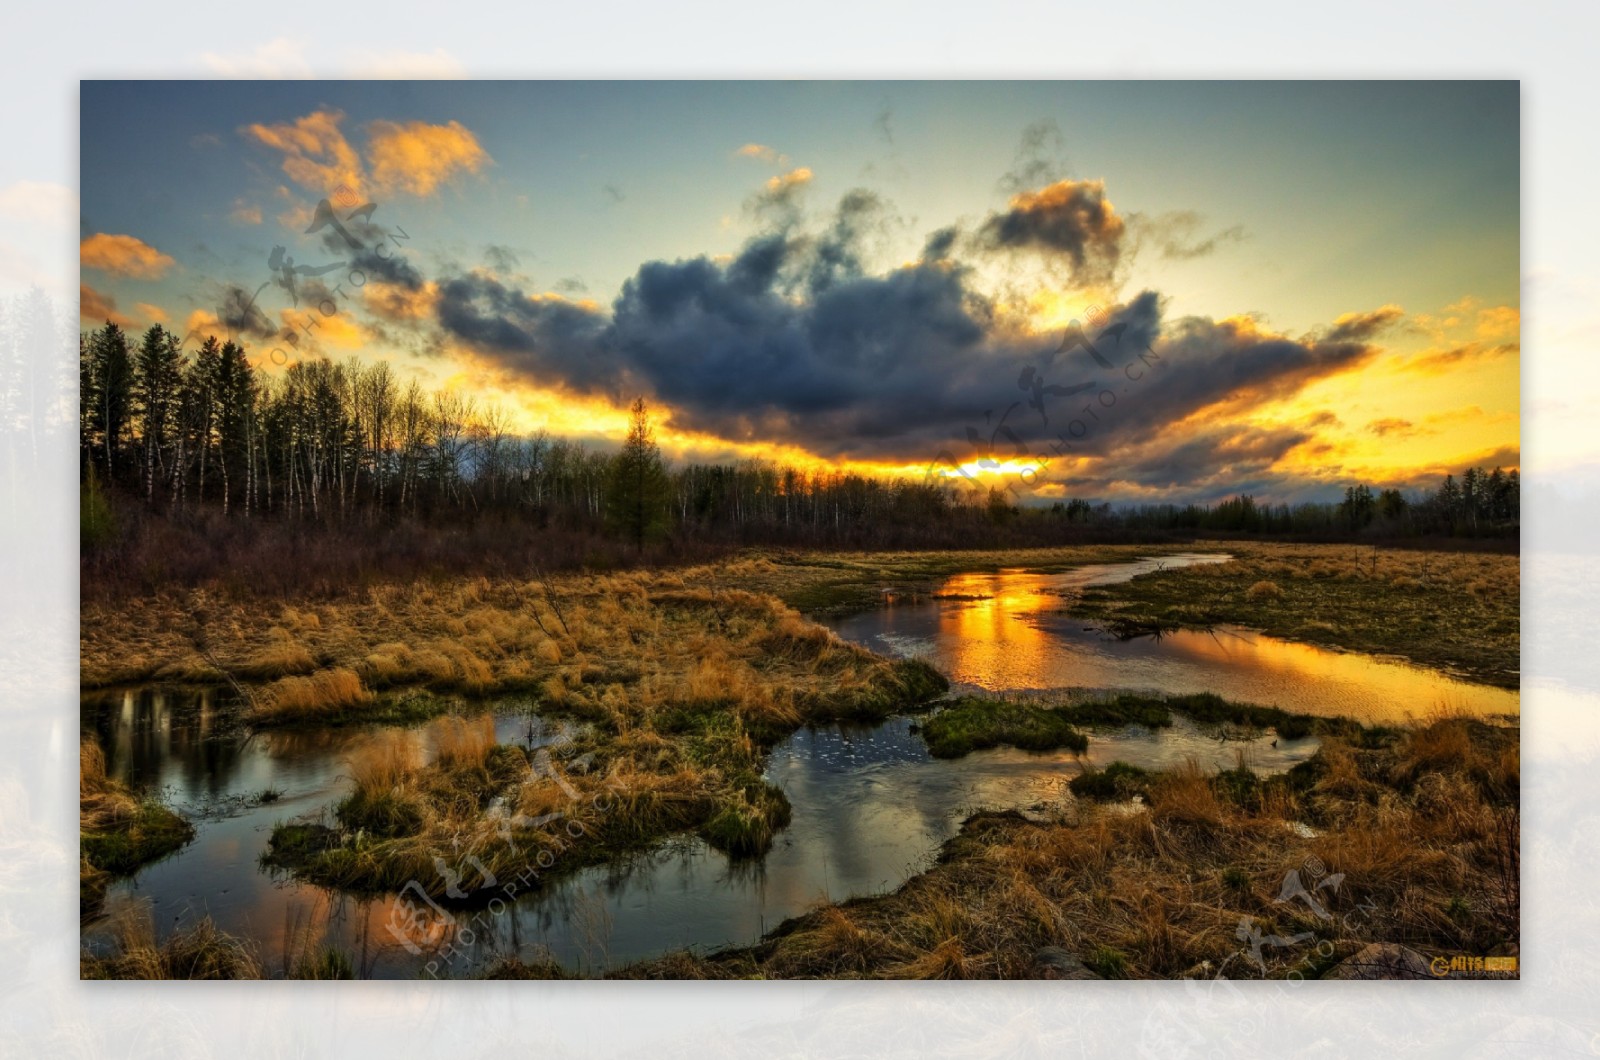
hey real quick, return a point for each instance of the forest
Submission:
(189, 454)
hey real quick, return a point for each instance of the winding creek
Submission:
(871, 808)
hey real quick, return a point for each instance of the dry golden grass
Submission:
(1457, 611)
(462, 743)
(321, 694)
(197, 952)
(281, 656)
(1186, 797)
(383, 763)
(620, 651)
(1430, 864)
(515, 629)
(117, 832)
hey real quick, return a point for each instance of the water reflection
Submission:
(1008, 630)
(871, 809)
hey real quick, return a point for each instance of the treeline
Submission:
(348, 444)
(1483, 503)
(197, 462)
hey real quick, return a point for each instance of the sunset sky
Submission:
(1294, 285)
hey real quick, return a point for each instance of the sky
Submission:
(1123, 291)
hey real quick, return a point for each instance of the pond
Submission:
(871, 807)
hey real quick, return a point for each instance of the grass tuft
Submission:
(973, 723)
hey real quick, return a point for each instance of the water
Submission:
(871, 808)
(1007, 630)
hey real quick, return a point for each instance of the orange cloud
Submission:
(393, 302)
(786, 181)
(1359, 327)
(417, 157)
(1499, 322)
(123, 255)
(153, 313)
(100, 308)
(316, 154)
(245, 213)
(297, 217)
(1436, 362)
(1391, 425)
(335, 330)
(762, 153)
(202, 322)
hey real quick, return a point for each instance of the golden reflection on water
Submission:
(1009, 630)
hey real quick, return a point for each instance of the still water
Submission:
(871, 808)
(1007, 630)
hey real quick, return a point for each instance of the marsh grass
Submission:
(972, 723)
(1117, 781)
(1045, 722)
(321, 695)
(200, 951)
(1418, 824)
(119, 832)
(1456, 611)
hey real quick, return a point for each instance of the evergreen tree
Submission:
(110, 393)
(157, 379)
(636, 488)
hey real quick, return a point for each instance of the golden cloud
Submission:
(123, 255)
(760, 152)
(203, 322)
(335, 330)
(1499, 322)
(417, 157)
(100, 308)
(786, 181)
(316, 154)
(245, 213)
(1440, 361)
(394, 302)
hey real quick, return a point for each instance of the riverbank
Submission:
(1413, 841)
(1454, 611)
(119, 832)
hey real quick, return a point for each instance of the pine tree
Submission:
(637, 490)
(110, 395)
(157, 379)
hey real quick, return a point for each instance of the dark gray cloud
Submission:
(1068, 219)
(361, 244)
(501, 258)
(241, 316)
(940, 244)
(836, 256)
(794, 340)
